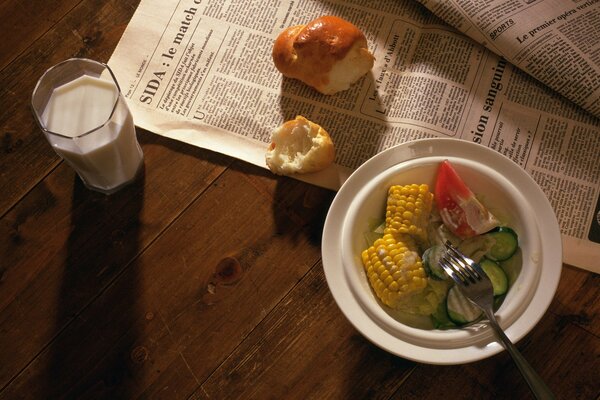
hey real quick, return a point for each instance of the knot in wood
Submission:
(139, 354)
(228, 271)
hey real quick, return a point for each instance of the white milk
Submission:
(107, 157)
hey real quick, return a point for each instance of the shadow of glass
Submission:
(103, 242)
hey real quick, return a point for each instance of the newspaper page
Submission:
(555, 41)
(201, 71)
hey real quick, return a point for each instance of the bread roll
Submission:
(329, 54)
(299, 146)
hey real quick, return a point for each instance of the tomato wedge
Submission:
(461, 212)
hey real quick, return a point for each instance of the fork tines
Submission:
(458, 266)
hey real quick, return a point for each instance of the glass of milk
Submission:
(79, 106)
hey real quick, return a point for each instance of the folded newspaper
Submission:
(519, 76)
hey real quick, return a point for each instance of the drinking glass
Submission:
(80, 109)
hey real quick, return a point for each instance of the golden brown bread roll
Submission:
(329, 54)
(299, 146)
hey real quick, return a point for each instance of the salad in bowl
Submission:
(401, 258)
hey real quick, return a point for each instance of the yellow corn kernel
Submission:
(394, 279)
(408, 210)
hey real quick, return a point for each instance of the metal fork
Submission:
(477, 287)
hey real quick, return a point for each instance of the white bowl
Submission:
(505, 187)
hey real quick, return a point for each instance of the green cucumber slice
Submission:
(440, 319)
(431, 258)
(460, 310)
(496, 275)
(506, 243)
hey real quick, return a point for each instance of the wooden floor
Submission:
(204, 278)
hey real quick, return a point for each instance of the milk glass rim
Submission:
(60, 64)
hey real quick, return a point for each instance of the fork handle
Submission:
(535, 382)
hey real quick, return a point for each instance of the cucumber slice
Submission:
(460, 310)
(431, 258)
(440, 319)
(496, 275)
(506, 243)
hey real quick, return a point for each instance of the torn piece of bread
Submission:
(299, 146)
(329, 54)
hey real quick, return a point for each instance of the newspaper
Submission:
(201, 71)
(555, 41)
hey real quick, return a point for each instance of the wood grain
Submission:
(174, 286)
(306, 349)
(576, 299)
(41, 16)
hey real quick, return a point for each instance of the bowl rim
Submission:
(469, 346)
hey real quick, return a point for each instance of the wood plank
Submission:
(25, 155)
(41, 16)
(306, 349)
(576, 299)
(177, 308)
(63, 244)
(274, 231)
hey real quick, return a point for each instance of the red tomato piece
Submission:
(460, 210)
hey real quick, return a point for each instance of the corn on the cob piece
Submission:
(408, 209)
(394, 268)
